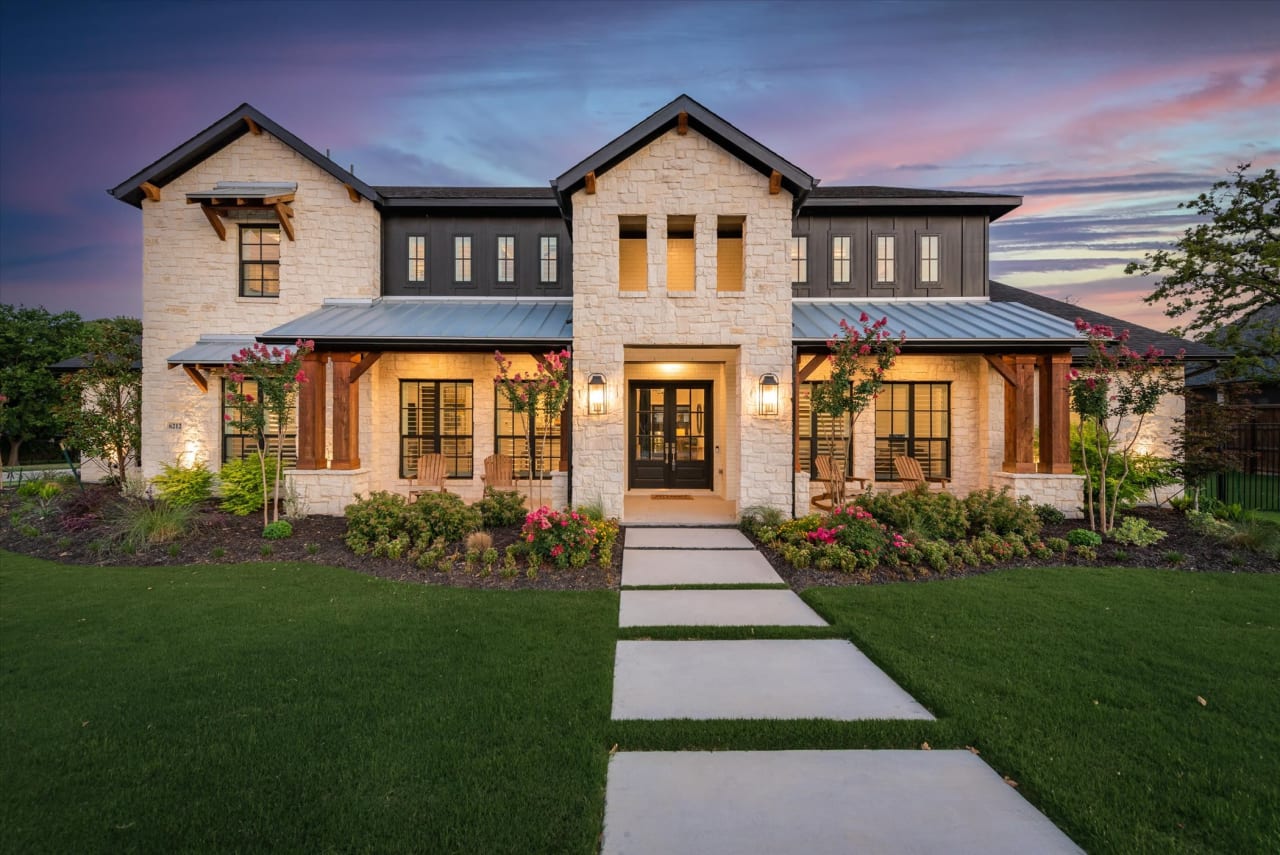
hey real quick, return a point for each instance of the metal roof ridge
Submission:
(478, 298)
(868, 300)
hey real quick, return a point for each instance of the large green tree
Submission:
(103, 406)
(31, 340)
(1223, 275)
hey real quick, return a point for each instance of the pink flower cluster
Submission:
(825, 535)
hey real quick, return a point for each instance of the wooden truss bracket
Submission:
(151, 190)
(775, 183)
(215, 221)
(811, 366)
(253, 126)
(352, 194)
(591, 183)
(193, 371)
(682, 123)
(1005, 370)
(366, 362)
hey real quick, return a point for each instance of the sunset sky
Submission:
(1103, 115)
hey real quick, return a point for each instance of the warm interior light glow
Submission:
(596, 387)
(769, 394)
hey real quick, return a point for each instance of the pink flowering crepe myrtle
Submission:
(540, 393)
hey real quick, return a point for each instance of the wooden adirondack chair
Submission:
(836, 484)
(908, 469)
(432, 470)
(498, 472)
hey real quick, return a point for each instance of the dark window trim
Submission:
(497, 248)
(407, 471)
(409, 257)
(803, 260)
(920, 258)
(831, 249)
(470, 259)
(555, 268)
(248, 442)
(910, 439)
(521, 461)
(875, 258)
(243, 227)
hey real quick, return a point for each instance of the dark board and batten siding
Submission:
(484, 232)
(962, 256)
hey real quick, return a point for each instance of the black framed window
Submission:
(436, 417)
(914, 419)
(548, 260)
(841, 258)
(930, 248)
(237, 445)
(506, 258)
(462, 258)
(815, 433)
(798, 255)
(514, 434)
(417, 258)
(886, 246)
(260, 261)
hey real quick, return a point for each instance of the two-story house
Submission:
(695, 274)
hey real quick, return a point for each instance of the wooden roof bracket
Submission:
(775, 183)
(591, 183)
(152, 191)
(253, 127)
(202, 382)
(811, 366)
(1002, 369)
(366, 362)
(352, 194)
(682, 123)
(215, 221)
(285, 213)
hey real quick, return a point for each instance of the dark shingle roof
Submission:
(1140, 337)
(874, 192)
(467, 193)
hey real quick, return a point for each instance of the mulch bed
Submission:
(220, 538)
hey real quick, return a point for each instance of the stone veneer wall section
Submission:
(190, 283)
(683, 175)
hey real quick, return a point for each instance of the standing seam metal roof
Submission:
(968, 322)
(427, 319)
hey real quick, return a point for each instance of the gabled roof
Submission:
(1140, 337)
(704, 122)
(219, 135)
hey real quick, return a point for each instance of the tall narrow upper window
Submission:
(260, 261)
(506, 258)
(929, 250)
(548, 263)
(680, 254)
(798, 256)
(729, 274)
(841, 254)
(462, 258)
(417, 258)
(885, 246)
(633, 254)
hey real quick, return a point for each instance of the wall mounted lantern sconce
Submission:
(768, 404)
(597, 404)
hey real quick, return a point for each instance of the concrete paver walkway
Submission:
(716, 608)
(695, 567)
(769, 802)
(687, 538)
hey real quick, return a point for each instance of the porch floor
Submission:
(673, 507)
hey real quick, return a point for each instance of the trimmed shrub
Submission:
(1084, 537)
(936, 516)
(501, 508)
(997, 511)
(567, 538)
(443, 516)
(184, 486)
(1210, 526)
(1133, 531)
(1059, 545)
(278, 530)
(1049, 515)
(240, 484)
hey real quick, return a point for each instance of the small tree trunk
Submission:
(275, 498)
(262, 467)
(14, 444)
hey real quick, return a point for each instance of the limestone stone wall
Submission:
(190, 282)
(684, 176)
(1064, 492)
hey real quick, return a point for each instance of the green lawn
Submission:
(297, 708)
(1082, 685)
(308, 709)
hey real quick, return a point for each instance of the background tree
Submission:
(860, 356)
(31, 340)
(1224, 274)
(1206, 445)
(102, 405)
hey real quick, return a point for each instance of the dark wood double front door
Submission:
(669, 429)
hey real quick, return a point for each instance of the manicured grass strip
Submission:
(766, 735)
(1084, 685)
(735, 586)
(726, 633)
(297, 708)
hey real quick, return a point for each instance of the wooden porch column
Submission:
(346, 413)
(311, 420)
(1055, 414)
(1019, 414)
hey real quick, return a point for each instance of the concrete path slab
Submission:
(695, 567)
(730, 607)
(768, 802)
(686, 538)
(808, 678)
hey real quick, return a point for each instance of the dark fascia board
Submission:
(967, 345)
(548, 203)
(418, 344)
(702, 120)
(994, 207)
(219, 135)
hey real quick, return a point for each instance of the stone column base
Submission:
(801, 497)
(1064, 492)
(328, 491)
(559, 489)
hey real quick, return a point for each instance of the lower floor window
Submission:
(914, 419)
(815, 434)
(237, 445)
(436, 418)
(517, 431)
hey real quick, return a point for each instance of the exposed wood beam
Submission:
(775, 183)
(1004, 369)
(682, 123)
(366, 362)
(253, 126)
(282, 211)
(272, 200)
(591, 183)
(202, 382)
(811, 366)
(352, 194)
(288, 209)
(215, 221)
(151, 190)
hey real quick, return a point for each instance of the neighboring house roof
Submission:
(212, 350)
(219, 135)
(704, 122)
(79, 363)
(389, 322)
(954, 324)
(1140, 337)
(994, 205)
(1257, 321)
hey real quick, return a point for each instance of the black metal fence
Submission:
(1257, 485)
